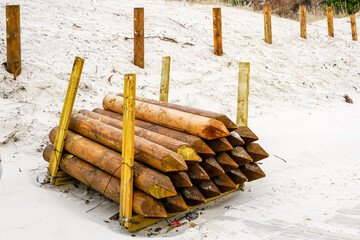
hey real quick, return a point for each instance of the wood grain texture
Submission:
(13, 40)
(267, 24)
(330, 21)
(302, 14)
(139, 37)
(165, 79)
(353, 27)
(218, 49)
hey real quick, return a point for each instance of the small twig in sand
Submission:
(8, 138)
(280, 158)
(161, 38)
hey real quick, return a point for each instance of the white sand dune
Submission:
(296, 108)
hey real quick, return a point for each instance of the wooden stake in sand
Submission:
(217, 32)
(243, 94)
(267, 24)
(139, 37)
(13, 41)
(303, 21)
(353, 27)
(329, 13)
(64, 120)
(165, 77)
(126, 182)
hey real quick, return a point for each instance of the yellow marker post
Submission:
(243, 97)
(126, 184)
(55, 157)
(165, 77)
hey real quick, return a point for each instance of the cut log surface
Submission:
(252, 171)
(180, 179)
(197, 174)
(182, 148)
(212, 167)
(219, 145)
(187, 122)
(246, 134)
(109, 185)
(146, 179)
(224, 183)
(175, 204)
(237, 176)
(256, 152)
(147, 152)
(226, 162)
(218, 116)
(209, 189)
(199, 146)
(192, 196)
(240, 156)
(235, 139)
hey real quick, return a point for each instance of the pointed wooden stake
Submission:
(192, 196)
(256, 152)
(217, 32)
(65, 119)
(139, 37)
(252, 171)
(165, 77)
(303, 21)
(240, 156)
(180, 179)
(246, 134)
(175, 204)
(267, 24)
(235, 139)
(126, 184)
(197, 174)
(212, 167)
(13, 40)
(330, 21)
(224, 183)
(219, 145)
(353, 27)
(237, 176)
(209, 189)
(226, 162)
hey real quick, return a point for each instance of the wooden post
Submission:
(329, 13)
(126, 185)
(165, 76)
(303, 21)
(353, 27)
(13, 41)
(267, 24)
(243, 94)
(139, 37)
(65, 119)
(217, 32)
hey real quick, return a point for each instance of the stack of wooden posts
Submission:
(183, 156)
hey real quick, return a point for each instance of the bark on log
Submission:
(219, 145)
(175, 204)
(252, 171)
(146, 179)
(217, 116)
(209, 189)
(224, 183)
(147, 152)
(180, 179)
(106, 184)
(240, 156)
(199, 146)
(256, 152)
(237, 176)
(212, 167)
(186, 122)
(197, 174)
(182, 148)
(226, 162)
(246, 134)
(192, 196)
(235, 139)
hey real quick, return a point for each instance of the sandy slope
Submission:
(296, 108)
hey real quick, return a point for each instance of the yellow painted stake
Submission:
(126, 184)
(353, 27)
(165, 76)
(243, 97)
(64, 120)
(330, 21)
